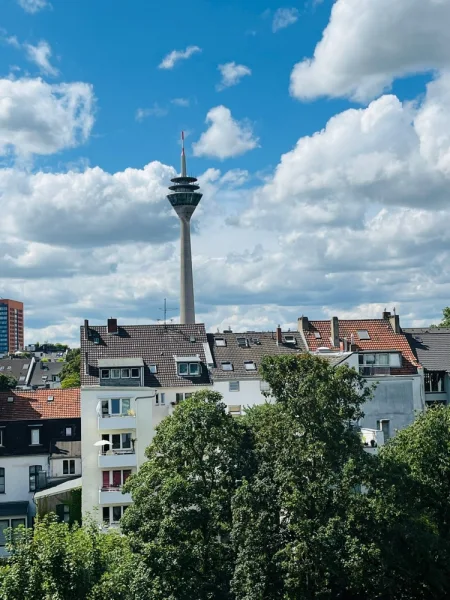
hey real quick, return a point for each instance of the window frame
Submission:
(234, 384)
(138, 373)
(69, 467)
(33, 430)
(220, 344)
(1, 436)
(124, 369)
(197, 368)
(250, 365)
(153, 369)
(433, 380)
(227, 363)
(365, 334)
(2, 477)
(69, 429)
(242, 342)
(33, 471)
(162, 398)
(103, 373)
(121, 446)
(115, 373)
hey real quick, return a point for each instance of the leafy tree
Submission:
(180, 521)
(7, 382)
(71, 369)
(445, 318)
(58, 562)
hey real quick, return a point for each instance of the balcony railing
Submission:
(113, 495)
(374, 370)
(372, 439)
(114, 422)
(117, 458)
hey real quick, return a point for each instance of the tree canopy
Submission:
(445, 318)
(70, 373)
(7, 382)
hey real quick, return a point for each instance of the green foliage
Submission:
(181, 518)
(445, 318)
(7, 382)
(70, 373)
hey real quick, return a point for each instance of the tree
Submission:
(180, 521)
(58, 562)
(446, 318)
(71, 369)
(7, 382)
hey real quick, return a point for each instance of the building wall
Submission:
(249, 393)
(17, 478)
(13, 311)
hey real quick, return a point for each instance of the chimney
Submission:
(386, 314)
(334, 332)
(86, 329)
(279, 336)
(394, 320)
(112, 326)
(303, 324)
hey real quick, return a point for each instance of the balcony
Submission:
(113, 495)
(374, 370)
(372, 440)
(116, 422)
(117, 458)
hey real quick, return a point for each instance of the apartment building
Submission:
(132, 376)
(11, 326)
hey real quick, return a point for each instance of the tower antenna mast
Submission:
(165, 310)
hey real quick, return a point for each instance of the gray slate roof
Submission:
(255, 351)
(15, 367)
(156, 344)
(431, 346)
(42, 369)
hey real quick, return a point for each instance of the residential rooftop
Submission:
(39, 404)
(431, 346)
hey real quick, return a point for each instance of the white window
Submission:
(235, 410)
(9, 523)
(69, 467)
(35, 437)
(317, 335)
(1, 437)
(194, 369)
(135, 373)
(290, 339)
(115, 373)
(68, 431)
(125, 373)
(153, 368)
(363, 334)
(183, 369)
(385, 426)
(104, 373)
(395, 359)
(242, 342)
(112, 514)
(2, 480)
(249, 365)
(179, 397)
(162, 398)
(220, 342)
(116, 407)
(233, 386)
(227, 366)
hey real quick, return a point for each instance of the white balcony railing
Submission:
(117, 458)
(113, 495)
(374, 370)
(116, 422)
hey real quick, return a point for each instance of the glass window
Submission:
(221, 342)
(234, 386)
(17, 523)
(194, 369)
(72, 467)
(363, 334)
(4, 524)
(115, 438)
(434, 381)
(126, 440)
(395, 359)
(179, 397)
(125, 373)
(115, 406)
(116, 513)
(382, 359)
(227, 366)
(125, 406)
(68, 431)
(1, 437)
(65, 467)
(369, 359)
(125, 474)
(242, 342)
(153, 368)
(106, 514)
(35, 437)
(135, 373)
(105, 407)
(34, 471)
(249, 365)
(2, 480)
(183, 368)
(115, 373)
(162, 398)
(104, 373)
(187, 395)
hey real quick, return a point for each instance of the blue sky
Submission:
(319, 131)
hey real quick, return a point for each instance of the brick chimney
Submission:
(394, 320)
(303, 324)
(279, 336)
(112, 326)
(334, 322)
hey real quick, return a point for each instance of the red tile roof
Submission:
(382, 337)
(35, 405)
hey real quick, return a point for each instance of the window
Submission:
(116, 513)
(69, 431)
(121, 441)
(105, 515)
(114, 479)
(125, 374)
(363, 334)
(6, 524)
(34, 477)
(220, 342)
(290, 339)
(63, 512)
(1, 437)
(179, 397)
(153, 368)
(227, 366)
(233, 386)
(2, 480)
(157, 399)
(249, 365)
(264, 386)
(183, 368)
(434, 381)
(162, 398)
(104, 373)
(135, 373)
(384, 426)
(35, 437)
(69, 467)
(116, 407)
(115, 373)
(234, 411)
(317, 335)
(187, 395)
(242, 342)
(194, 369)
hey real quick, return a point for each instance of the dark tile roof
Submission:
(30, 405)
(14, 367)
(42, 369)
(155, 344)
(431, 346)
(266, 345)
(381, 337)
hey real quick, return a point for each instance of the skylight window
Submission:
(220, 342)
(153, 368)
(363, 334)
(242, 342)
(227, 366)
(290, 339)
(317, 335)
(249, 365)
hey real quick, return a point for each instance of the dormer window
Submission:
(115, 373)
(135, 373)
(242, 342)
(125, 374)
(188, 369)
(227, 366)
(249, 365)
(104, 373)
(220, 342)
(290, 339)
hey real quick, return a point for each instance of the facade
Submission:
(39, 446)
(11, 326)
(432, 349)
(131, 378)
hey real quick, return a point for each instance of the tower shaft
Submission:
(187, 304)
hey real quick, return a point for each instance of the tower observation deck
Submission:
(184, 198)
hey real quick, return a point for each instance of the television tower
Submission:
(184, 200)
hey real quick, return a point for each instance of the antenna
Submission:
(183, 156)
(165, 310)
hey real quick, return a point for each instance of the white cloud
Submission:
(284, 17)
(39, 118)
(173, 57)
(40, 55)
(232, 73)
(367, 44)
(34, 6)
(184, 102)
(155, 111)
(225, 137)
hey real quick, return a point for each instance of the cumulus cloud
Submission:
(353, 59)
(40, 55)
(34, 6)
(232, 73)
(184, 102)
(284, 17)
(225, 137)
(169, 61)
(154, 111)
(39, 118)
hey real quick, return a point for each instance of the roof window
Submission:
(317, 335)
(242, 342)
(220, 341)
(363, 334)
(227, 366)
(290, 339)
(153, 368)
(249, 365)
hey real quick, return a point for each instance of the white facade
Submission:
(105, 467)
(17, 478)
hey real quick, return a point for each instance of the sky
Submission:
(319, 131)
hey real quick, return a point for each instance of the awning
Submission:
(13, 509)
(67, 486)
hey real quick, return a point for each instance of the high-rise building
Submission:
(184, 200)
(11, 326)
